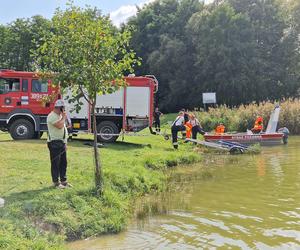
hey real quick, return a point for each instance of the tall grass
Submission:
(243, 117)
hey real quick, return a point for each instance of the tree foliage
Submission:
(161, 40)
(17, 39)
(244, 50)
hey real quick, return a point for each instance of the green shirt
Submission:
(53, 132)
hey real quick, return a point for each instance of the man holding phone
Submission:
(57, 141)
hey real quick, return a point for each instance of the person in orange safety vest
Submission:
(258, 125)
(220, 129)
(188, 127)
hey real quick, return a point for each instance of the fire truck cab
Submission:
(23, 109)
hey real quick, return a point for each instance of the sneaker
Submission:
(66, 184)
(56, 184)
(61, 186)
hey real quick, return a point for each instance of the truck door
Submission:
(137, 102)
(24, 93)
(9, 94)
(137, 107)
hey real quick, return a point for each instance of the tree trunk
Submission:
(98, 168)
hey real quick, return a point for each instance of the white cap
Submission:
(59, 103)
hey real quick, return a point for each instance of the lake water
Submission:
(234, 202)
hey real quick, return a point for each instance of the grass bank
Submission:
(37, 216)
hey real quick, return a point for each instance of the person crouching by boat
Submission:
(196, 127)
(220, 129)
(178, 125)
(185, 116)
(258, 125)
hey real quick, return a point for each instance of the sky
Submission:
(119, 10)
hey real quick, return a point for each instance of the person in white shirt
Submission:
(196, 127)
(57, 141)
(178, 125)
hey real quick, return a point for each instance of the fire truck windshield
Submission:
(9, 85)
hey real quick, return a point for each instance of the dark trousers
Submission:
(70, 132)
(58, 157)
(175, 130)
(157, 125)
(195, 130)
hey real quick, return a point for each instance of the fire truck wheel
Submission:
(107, 131)
(21, 129)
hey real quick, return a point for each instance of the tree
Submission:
(274, 44)
(86, 53)
(292, 41)
(17, 40)
(3, 37)
(225, 55)
(160, 39)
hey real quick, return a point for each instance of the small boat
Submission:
(270, 137)
(244, 138)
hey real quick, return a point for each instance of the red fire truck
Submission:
(23, 110)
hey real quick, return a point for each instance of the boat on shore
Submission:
(248, 139)
(270, 137)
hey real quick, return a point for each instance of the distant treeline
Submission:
(244, 50)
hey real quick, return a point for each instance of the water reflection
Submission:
(242, 202)
(261, 166)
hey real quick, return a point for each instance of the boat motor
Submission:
(285, 131)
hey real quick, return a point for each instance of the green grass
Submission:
(168, 118)
(37, 216)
